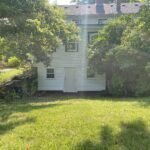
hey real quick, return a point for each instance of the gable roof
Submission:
(103, 9)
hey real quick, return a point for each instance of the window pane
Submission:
(50, 76)
(71, 47)
(50, 71)
(102, 21)
(92, 75)
(77, 21)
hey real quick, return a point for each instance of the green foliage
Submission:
(29, 82)
(33, 27)
(26, 84)
(2, 47)
(142, 87)
(7, 76)
(122, 52)
(13, 62)
(117, 85)
(147, 68)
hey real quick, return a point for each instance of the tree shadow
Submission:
(30, 107)
(43, 97)
(9, 126)
(57, 96)
(133, 136)
(106, 141)
(144, 102)
(8, 109)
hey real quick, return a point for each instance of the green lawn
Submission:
(7, 76)
(73, 123)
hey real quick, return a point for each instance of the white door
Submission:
(70, 80)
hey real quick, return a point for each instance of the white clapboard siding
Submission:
(78, 60)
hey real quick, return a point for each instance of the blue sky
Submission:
(61, 2)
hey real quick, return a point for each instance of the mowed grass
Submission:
(75, 123)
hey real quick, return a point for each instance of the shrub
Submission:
(130, 86)
(117, 85)
(13, 62)
(142, 86)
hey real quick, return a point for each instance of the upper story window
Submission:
(92, 36)
(90, 73)
(102, 21)
(77, 21)
(50, 73)
(71, 47)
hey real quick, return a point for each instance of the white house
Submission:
(69, 69)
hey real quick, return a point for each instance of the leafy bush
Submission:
(122, 51)
(29, 83)
(13, 62)
(147, 68)
(142, 87)
(26, 84)
(117, 85)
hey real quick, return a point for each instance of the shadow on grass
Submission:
(7, 109)
(59, 96)
(133, 136)
(8, 126)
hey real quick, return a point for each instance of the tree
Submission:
(100, 50)
(122, 52)
(33, 27)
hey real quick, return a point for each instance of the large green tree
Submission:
(33, 27)
(122, 52)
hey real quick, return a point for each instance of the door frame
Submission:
(74, 78)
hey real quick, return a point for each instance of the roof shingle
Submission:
(106, 9)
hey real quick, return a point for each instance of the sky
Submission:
(61, 2)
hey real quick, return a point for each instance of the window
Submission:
(54, 49)
(91, 36)
(90, 73)
(50, 73)
(102, 21)
(136, 5)
(77, 21)
(72, 47)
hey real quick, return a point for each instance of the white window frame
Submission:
(67, 49)
(50, 73)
